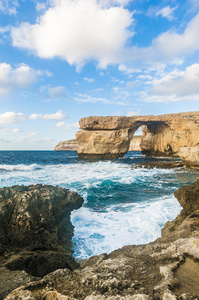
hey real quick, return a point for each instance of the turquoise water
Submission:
(122, 204)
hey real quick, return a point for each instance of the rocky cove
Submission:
(36, 232)
(37, 261)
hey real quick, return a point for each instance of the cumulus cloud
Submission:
(11, 118)
(58, 116)
(67, 126)
(9, 6)
(22, 76)
(77, 31)
(176, 86)
(168, 48)
(80, 31)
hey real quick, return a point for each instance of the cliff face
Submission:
(166, 269)
(135, 143)
(70, 145)
(162, 135)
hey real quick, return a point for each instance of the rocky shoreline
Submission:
(165, 269)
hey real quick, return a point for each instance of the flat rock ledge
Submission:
(35, 233)
(166, 269)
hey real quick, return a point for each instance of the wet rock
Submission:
(35, 233)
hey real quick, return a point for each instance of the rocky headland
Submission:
(70, 145)
(166, 269)
(35, 233)
(164, 135)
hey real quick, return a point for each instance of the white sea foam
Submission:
(87, 174)
(136, 223)
(117, 224)
(19, 167)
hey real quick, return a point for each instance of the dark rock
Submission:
(37, 217)
(35, 233)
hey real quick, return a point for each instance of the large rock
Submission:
(190, 156)
(165, 269)
(70, 145)
(135, 143)
(37, 216)
(162, 135)
(35, 232)
(100, 143)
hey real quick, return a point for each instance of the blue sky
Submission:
(61, 60)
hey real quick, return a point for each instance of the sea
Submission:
(124, 203)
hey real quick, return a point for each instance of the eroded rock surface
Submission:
(134, 272)
(162, 135)
(135, 143)
(70, 145)
(35, 232)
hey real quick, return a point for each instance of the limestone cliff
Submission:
(166, 269)
(163, 135)
(135, 143)
(70, 145)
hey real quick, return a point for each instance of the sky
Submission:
(61, 60)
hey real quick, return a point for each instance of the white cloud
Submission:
(128, 70)
(91, 99)
(9, 6)
(41, 6)
(171, 44)
(77, 31)
(166, 12)
(176, 86)
(168, 48)
(67, 126)
(90, 80)
(4, 29)
(56, 93)
(58, 116)
(11, 118)
(22, 76)
(16, 130)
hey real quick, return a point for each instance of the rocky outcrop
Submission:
(162, 135)
(70, 145)
(35, 232)
(165, 269)
(190, 156)
(135, 143)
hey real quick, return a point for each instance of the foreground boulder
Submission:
(35, 231)
(166, 269)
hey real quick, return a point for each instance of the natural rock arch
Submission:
(166, 135)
